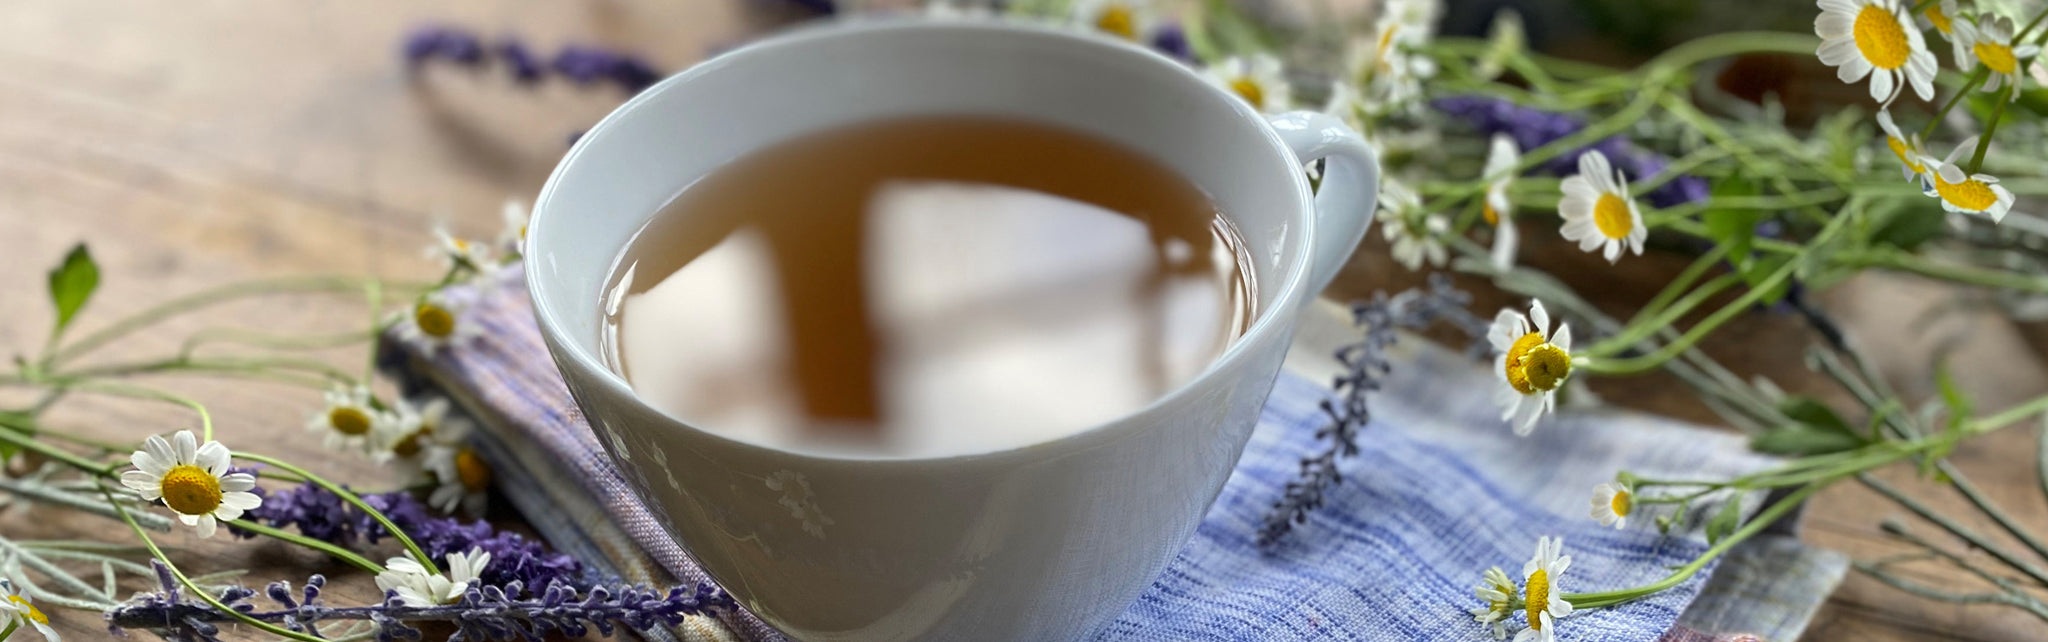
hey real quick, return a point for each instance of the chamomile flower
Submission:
(417, 585)
(1612, 502)
(1943, 17)
(1498, 592)
(1964, 192)
(457, 252)
(435, 322)
(1497, 207)
(1390, 75)
(192, 479)
(348, 422)
(1907, 147)
(1598, 211)
(1416, 236)
(461, 479)
(1875, 38)
(1543, 599)
(1348, 105)
(1131, 20)
(417, 427)
(512, 237)
(1990, 42)
(1259, 80)
(1534, 363)
(18, 609)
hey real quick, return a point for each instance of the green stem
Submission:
(350, 497)
(338, 552)
(1755, 525)
(12, 434)
(1976, 78)
(1956, 529)
(140, 392)
(254, 365)
(1906, 262)
(1685, 279)
(1638, 331)
(195, 590)
(204, 298)
(1991, 127)
(270, 341)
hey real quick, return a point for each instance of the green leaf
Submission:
(71, 284)
(1726, 520)
(1817, 430)
(1959, 405)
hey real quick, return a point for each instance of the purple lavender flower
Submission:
(322, 515)
(823, 7)
(485, 612)
(439, 41)
(1532, 128)
(519, 60)
(584, 65)
(1171, 40)
(581, 64)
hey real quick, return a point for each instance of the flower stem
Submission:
(338, 552)
(1991, 127)
(205, 298)
(350, 497)
(203, 596)
(13, 433)
(140, 392)
(1755, 525)
(1976, 78)
(1639, 330)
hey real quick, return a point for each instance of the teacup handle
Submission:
(1350, 188)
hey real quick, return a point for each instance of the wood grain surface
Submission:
(195, 143)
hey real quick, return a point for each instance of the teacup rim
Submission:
(1271, 318)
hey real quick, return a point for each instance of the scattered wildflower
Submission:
(1127, 19)
(1544, 600)
(1498, 592)
(458, 253)
(1875, 38)
(1348, 105)
(1964, 192)
(1534, 363)
(322, 515)
(1388, 74)
(507, 611)
(1990, 42)
(348, 422)
(1612, 502)
(513, 237)
(1259, 80)
(1172, 40)
(1532, 128)
(418, 585)
(440, 41)
(18, 609)
(461, 478)
(192, 479)
(1942, 17)
(1416, 235)
(436, 322)
(1598, 210)
(1907, 147)
(1498, 209)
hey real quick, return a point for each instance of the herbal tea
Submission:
(925, 286)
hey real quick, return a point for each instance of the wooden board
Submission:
(196, 143)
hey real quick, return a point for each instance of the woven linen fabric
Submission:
(1442, 491)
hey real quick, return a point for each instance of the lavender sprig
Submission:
(321, 515)
(1365, 364)
(580, 64)
(485, 612)
(1532, 128)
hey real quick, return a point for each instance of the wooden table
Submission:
(201, 142)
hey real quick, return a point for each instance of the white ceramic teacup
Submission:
(1042, 542)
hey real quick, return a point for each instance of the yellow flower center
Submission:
(349, 420)
(1971, 194)
(1622, 503)
(410, 445)
(1546, 366)
(1492, 216)
(1611, 215)
(1940, 20)
(1538, 597)
(191, 490)
(1880, 38)
(1905, 154)
(1514, 364)
(1251, 92)
(1997, 56)
(1386, 44)
(434, 320)
(1118, 19)
(33, 614)
(471, 469)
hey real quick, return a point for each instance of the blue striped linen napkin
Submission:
(1442, 491)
